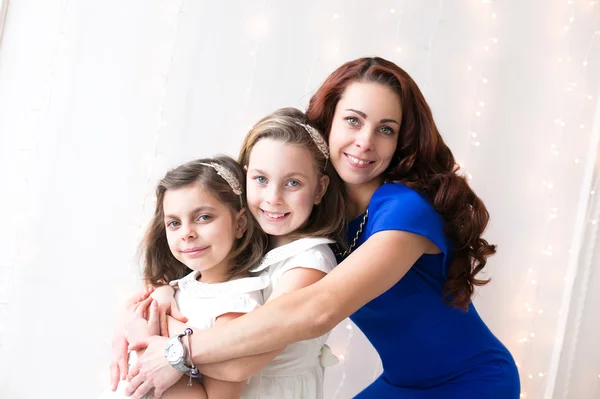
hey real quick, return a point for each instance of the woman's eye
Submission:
(293, 183)
(172, 224)
(260, 179)
(387, 130)
(352, 121)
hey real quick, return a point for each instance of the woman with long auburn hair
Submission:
(415, 250)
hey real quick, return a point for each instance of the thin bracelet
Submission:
(194, 370)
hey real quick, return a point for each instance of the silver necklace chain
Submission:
(357, 235)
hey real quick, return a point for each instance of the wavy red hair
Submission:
(423, 162)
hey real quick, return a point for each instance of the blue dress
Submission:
(429, 349)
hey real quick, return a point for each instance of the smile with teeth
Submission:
(274, 215)
(358, 161)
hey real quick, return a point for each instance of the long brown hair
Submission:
(160, 265)
(327, 218)
(423, 162)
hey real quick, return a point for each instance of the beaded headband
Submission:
(318, 140)
(229, 177)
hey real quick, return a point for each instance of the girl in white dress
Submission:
(296, 197)
(200, 223)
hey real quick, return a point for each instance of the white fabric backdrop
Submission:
(99, 99)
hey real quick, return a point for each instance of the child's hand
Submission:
(166, 306)
(137, 327)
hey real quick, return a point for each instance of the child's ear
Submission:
(321, 188)
(241, 223)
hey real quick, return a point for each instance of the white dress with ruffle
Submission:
(297, 372)
(203, 303)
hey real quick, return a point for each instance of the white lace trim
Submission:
(191, 285)
(286, 251)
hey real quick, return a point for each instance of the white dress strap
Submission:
(190, 285)
(286, 251)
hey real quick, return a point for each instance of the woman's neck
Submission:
(359, 196)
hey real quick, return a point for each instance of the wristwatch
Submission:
(176, 354)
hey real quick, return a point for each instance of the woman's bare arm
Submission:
(312, 311)
(240, 369)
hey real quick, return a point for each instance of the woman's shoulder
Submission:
(397, 194)
(394, 206)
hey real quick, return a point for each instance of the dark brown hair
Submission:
(160, 265)
(327, 219)
(423, 162)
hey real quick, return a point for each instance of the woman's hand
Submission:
(152, 371)
(118, 364)
(164, 295)
(120, 355)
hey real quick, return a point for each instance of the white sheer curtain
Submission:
(99, 99)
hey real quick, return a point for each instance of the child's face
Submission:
(283, 185)
(201, 230)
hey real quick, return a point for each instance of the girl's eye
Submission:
(204, 218)
(260, 179)
(352, 121)
(387, 130)
(293, 183)
(173, 224)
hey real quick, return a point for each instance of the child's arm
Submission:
(165, 296)
(242, 368)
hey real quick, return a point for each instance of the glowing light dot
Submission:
(478, 113)
(469, 67)
(484, 80)
(576, 160)
(585, 63)
(481, 103)
(392, 11)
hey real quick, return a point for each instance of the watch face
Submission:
(174, 352)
